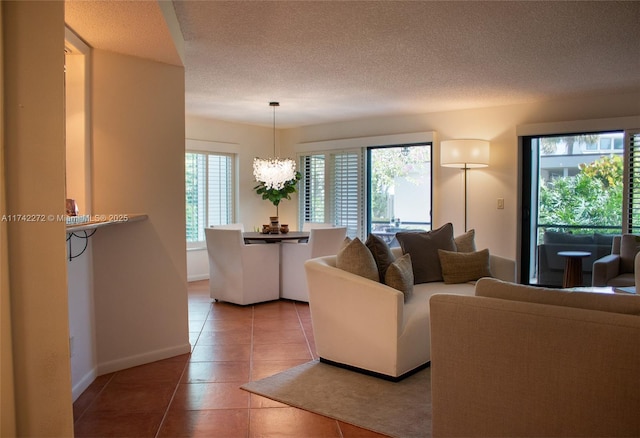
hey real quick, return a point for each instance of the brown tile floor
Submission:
(199, 394)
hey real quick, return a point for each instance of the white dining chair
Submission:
(322, 242)
(308, 226)
(234, 226)
(240, 273)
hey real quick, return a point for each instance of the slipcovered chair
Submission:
(240, 273)
(617, 268)
(236, 226)
(322, 242)
(308, 226)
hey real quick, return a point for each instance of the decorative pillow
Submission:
(423, 247)
(381, 254)
(356, 258)
(400, 276)
(466, 242)
(629, 247)
(460, 267)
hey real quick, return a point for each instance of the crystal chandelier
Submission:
(274, 172)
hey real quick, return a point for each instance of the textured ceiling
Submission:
(328, 61)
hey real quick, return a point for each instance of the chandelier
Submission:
(275, 172)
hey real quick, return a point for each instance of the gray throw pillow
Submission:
(381, 254)
(356, 258)
(400, 276)
(423, 247)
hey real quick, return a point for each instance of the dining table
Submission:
(254, 237)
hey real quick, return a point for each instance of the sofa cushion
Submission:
(399, 276)
(356, 258)
(616, 303)
(381, 254)
(460, 267)
(423, 247)
(629, 247)
(466, 242)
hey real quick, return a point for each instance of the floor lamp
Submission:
(465, 155)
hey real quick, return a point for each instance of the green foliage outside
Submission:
(387, 165)
(592, 197)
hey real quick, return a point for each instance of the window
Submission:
(338, 188)
(399, 189)
(579, 191)
(331, 189)
(209, 193)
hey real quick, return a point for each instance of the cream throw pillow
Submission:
(356, 258)
(399, 276)
(460, 267)
(466, 242)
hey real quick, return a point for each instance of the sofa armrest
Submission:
(502, 268)
(355, 320)
(604, 269)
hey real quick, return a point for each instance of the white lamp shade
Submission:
(464, 154)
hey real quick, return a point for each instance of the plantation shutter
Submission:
(347, 206)
(312, 189)
(632, 216)
(209, 193)
(219, 195)
(196, 195)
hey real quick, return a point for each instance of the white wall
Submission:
(34, 153)
(140, 275)
(495, 229)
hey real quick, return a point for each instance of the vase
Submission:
(275, 225)
(284, 228)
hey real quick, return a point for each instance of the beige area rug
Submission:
(398, 409)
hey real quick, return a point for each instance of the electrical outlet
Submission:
(500, 203)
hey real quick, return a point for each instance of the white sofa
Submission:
(366, 325)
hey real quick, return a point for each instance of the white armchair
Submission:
(240, 273)
(322, 242)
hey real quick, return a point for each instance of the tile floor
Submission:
(198, 394)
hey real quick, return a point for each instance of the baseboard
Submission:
(198, 277)
(84, 383)
(373, 373)
(143, 358)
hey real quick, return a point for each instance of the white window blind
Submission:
(632, 198)
(312, 207)
(348, 206)
(332, 189)
(209, 192)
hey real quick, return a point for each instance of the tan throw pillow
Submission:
(381, 254)
(466, 242)
(356, 258)
(400, 276)
(460, 267)
(423, 247)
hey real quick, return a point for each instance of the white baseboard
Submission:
(84, 383)
(198, 277)
(143, 358)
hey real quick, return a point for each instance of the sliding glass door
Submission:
(399, 189)
(573, 193)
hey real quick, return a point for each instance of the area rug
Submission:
(398, 409)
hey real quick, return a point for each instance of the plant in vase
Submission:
(275, 190)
